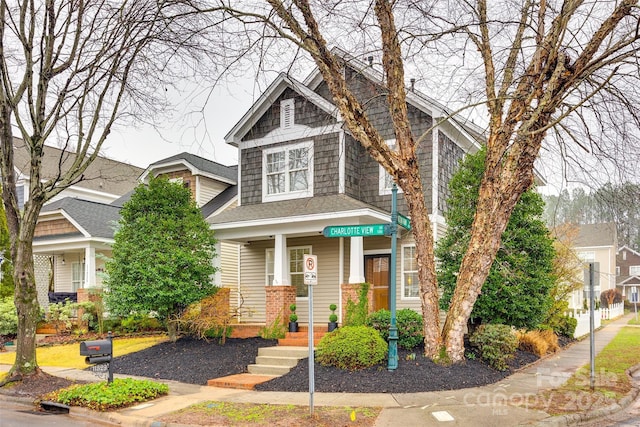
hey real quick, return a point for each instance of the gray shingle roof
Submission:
(219, 201)
(103, 174)
(297, 207)
(228, 172)
(603, 234)
(98, 219)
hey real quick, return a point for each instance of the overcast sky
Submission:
(186, 131)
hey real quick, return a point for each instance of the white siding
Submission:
(229, 253)
(208, 189)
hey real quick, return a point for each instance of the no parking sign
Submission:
(310, 269)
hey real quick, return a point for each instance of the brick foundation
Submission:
(278, 299)
(350, 292)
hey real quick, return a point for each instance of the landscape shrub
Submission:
(539, 342)
(351, 347)
(409, 322)
(209, 317)
(610, 296)
(496, 344)
(566, 326)
(274, 331)
(61, 315)
(140, 323)
(122, 392)
(8, 317)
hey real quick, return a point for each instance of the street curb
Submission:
(571, 419)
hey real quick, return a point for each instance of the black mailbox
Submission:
(96, 351)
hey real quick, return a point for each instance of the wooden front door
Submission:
(376, 273)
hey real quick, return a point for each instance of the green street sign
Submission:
(403, 221)
(356, 230)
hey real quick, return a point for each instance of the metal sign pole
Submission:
(393, 327)
(592, 344)
(310, 270)
(311, 359)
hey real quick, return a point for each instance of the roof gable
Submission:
(197, 166)
(93, 219)
(268, 97)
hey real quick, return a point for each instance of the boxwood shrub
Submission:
(497, 344)
(352, 348)
(409, 322)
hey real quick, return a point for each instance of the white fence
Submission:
(582, 316)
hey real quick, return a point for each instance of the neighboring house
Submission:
(596, 243)
(628, 273)
(73, 237)
(301, 170)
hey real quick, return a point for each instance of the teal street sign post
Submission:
(404, 222)
(356, 230)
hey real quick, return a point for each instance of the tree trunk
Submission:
(28, 309)
(423, 236)
(504, 181)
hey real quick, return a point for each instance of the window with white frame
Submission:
(385, 181)
(587, 256)
(634, 270)
(288, 171)
(269, 267)
(410, 286)
(296, 268)
(287, 113)
(77, 276)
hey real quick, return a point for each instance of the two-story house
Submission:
(596, 243)
(300, 170)
(628, 273)
(74, 234)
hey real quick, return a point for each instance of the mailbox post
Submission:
(99, 352)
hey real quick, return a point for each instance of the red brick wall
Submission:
(278, 299)
(351, 292)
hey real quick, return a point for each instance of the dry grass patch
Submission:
(538, 342)
(250, 415)
(68, 355)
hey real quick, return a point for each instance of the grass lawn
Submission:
(633, 320)
(68, 355)
(611, 381)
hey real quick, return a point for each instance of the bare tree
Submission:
(69, 70)
(544, 68)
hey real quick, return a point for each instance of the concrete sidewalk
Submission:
(480, 406)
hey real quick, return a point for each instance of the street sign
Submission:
(310, 269)
(356, 230)
(404, 221)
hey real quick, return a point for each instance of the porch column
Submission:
(280, 262)
(356, 260)
(89, 267)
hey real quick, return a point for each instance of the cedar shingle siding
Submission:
(361, 171)
(449, 156)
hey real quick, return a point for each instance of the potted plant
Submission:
(293, 319)
(333, 318)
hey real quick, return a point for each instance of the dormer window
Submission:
(287, 172)
(287, 113)
(385, 181)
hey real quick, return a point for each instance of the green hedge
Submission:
(351, 347)
(410, 326)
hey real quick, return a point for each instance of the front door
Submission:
(376, 273)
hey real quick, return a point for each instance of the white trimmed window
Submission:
(296, 268)
(269, 262)
(587, 256)
(287, 113)
(77, 276)
(385, 181)
(634, 270)
(287, 172)
(410, 285)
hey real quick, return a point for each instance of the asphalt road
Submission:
(17, 415)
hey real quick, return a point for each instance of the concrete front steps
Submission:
(271, 362)
(277, 360)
